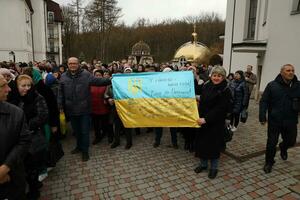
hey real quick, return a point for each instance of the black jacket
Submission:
(14, 144)
(74, 95)
(213, 106)
(277, 99)
(240, 95)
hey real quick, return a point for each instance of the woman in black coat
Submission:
(36, 113)
(240, 98)
(215, 99)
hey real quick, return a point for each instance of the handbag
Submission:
(63, 123)
(244, 116)
(55, 151)
(227, 134)
(38, 142)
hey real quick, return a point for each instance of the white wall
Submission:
(14, 30)
(39, 29)
(282, 32)
(283, 40)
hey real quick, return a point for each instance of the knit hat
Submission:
(50, 79)
(4, 71)
(167, 69)
(127, 69)
(219, 70)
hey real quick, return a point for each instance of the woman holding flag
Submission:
(215, 99)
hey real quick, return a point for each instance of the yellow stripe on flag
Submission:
(158, 112)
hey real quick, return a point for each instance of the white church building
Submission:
(264, 34)
(30, 30)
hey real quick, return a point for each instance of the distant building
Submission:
(54, 24)
(140, 54)
(264, 34)
(25, 31)
(192, 52)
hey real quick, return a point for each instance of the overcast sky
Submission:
(157, 10)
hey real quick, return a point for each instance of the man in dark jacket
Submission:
(14, 143)
(75, 99)
(281, 99)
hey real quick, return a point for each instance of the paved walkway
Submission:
(144, 172)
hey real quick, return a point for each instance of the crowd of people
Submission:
(34, 95)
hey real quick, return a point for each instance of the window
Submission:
(252, 19)
(50, 17)
(296, 7)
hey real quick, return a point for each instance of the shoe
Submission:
(186, 146)
(212, 173)
(199, 169)
(128, 146)
(155, 144)
(114, 145)
(85, 157)
(75, 151)
(43, 176)
(233, 129)
(175, 146)
(110, 140)
(97, 140)
(283, 154)
(267, 168)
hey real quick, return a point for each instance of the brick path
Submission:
(144, 172)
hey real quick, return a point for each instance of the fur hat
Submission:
(219, 70)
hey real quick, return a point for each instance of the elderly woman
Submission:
(214, 103)
(36, 113)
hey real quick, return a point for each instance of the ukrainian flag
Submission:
(156, 99)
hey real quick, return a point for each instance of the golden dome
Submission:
(140, 49)
(193, 52)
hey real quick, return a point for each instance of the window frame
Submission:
(295, 7)
(252, 19)
(52, 18)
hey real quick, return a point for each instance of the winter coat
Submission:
(99, 106)
(240, 95)
(251, 81)
(75, 95)
(36, 113)
(277, 99)
(213, 107)
(14, 144)
(51, 101)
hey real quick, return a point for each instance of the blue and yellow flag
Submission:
(156, 99)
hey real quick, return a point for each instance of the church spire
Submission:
(194, 34)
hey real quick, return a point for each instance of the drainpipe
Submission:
(32, 41)
(232, 33)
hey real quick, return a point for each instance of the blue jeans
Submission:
(159, 132)
(81, 127)
(213, 163)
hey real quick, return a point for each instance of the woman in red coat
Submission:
(100, 110)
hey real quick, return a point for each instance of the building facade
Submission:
(264, 34)
(54, 32)
(24, 30)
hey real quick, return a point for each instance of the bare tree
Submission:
(101, 16)
(77, 5)
(68, 30)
